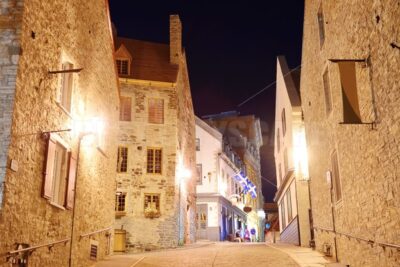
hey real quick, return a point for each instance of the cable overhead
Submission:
(265, 88)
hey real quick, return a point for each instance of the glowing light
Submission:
(300, 157)
(261, 214)
(93, 125)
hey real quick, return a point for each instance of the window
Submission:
(152, 205)
(66, 87)
(321, 26)
(337, 186)
(199, 169)
(351, 110)
(283, 223)
(120, 201)
(197, 144)
(154, 160)
(156, 111)
(60, 173)
(123, 66)
(122, 163)
(125, 109)
(285, 161)
(327, 91)
(278, 140)
(289, 205)
(283, 115)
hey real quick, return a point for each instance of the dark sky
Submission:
(231, 49)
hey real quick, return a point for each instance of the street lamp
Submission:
(92, 126)
(182, 175)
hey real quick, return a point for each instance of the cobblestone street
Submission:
(216, 255)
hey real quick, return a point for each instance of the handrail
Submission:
(95, 232)
(51, 244)
(369, 241)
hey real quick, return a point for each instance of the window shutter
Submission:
(69, 199)
(49, 171)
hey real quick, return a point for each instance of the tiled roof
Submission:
(150, 61)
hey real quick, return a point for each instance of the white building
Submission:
(219, 204)
(291, 162)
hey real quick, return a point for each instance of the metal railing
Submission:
(95, 232)
(369, 241)
(11, 253)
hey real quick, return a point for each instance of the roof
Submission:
(149, 61)
(209, 129)
(292, 81)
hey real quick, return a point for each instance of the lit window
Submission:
(123, 66)
(122, 163)
(152, 205)
(120, 201)
(327, 91)
(321, 26)
(59, 182)
(66, 87)
(156, 111)
(197, 144)
(199, 173)
(337, 187)
(154, 160)
(125, 109)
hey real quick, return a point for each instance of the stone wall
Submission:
(54, 31)
(137, 135)
(10, 47)
(368, 158)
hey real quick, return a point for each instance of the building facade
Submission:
(59, 103)
(291, 162)
(220, 212)
(350, 98)
(155, 200)
(243, 133)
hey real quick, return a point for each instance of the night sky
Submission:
(231, 49)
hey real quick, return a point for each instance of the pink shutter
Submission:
(49, 171)
(69, 199)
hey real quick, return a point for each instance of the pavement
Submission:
(304, 257)
(221, 254)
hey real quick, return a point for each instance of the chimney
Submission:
(175, 39)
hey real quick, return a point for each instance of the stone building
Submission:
(155, 201)
(58, 104)
(350, 98)
(219, 203)
(243, 133)
(291, 162)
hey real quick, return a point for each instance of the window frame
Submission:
(153, 164)
(199, 173)
(52, 185)
(119, 162)
(153, 116)
(64, 97)
(283, 118)
(123, 114)
(117, 202)
(120, 67)
(327, 91)
(336, 179)
(321, 26)
(145, 202)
